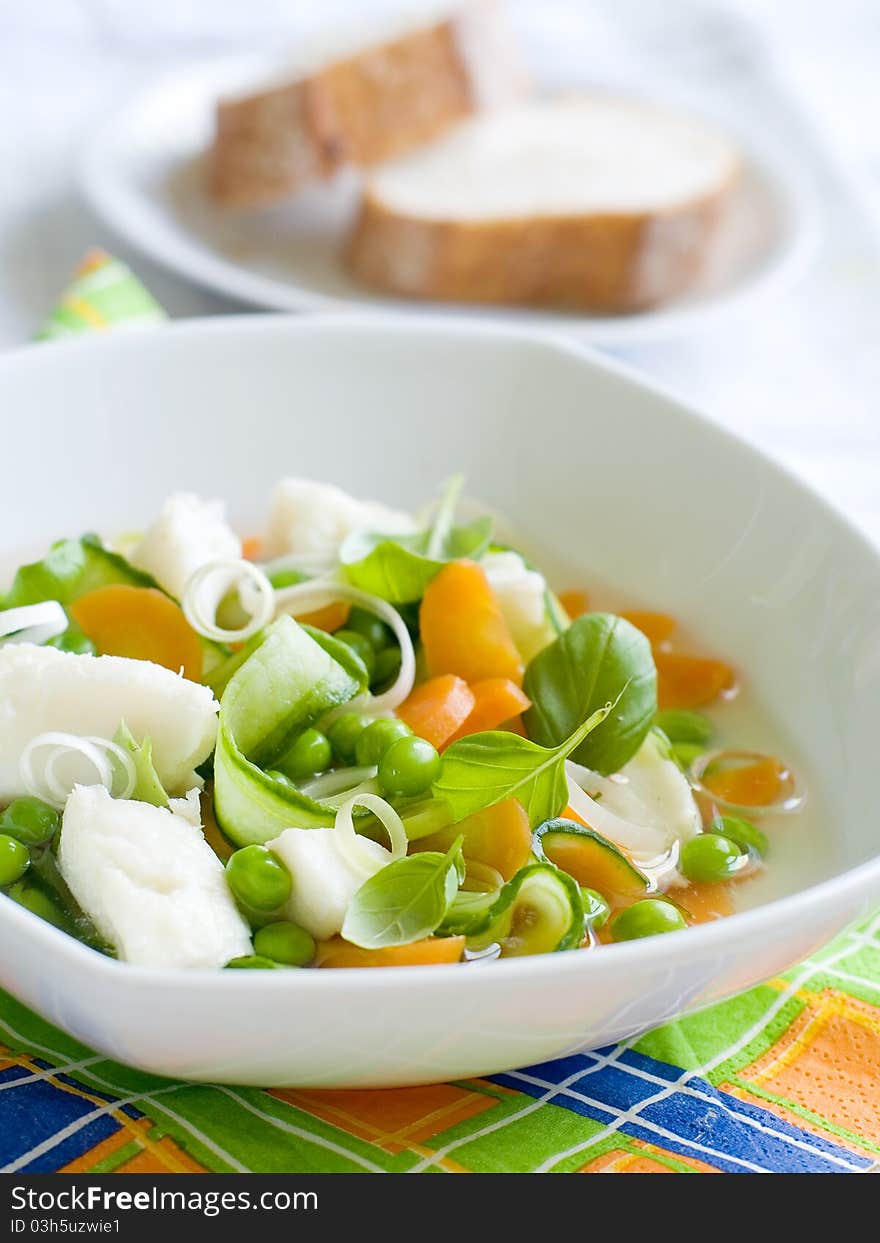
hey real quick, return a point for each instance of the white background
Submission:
(800, 372)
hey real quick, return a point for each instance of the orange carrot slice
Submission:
(140, 622)
(657, 627)
(703, 903)
(463, 629)
(331, 617)
(690, 681)
(438, 708)
(515, 726)
(496, 700)
(250, 547)
(499, 836)
(431, 951)
(750, 785)
(575, 603)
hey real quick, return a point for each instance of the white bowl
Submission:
(608, 477)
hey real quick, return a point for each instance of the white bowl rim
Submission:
(854, 885)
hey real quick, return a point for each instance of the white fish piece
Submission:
(311, 519)
(189, 806)
(43, 689)
(650, 795)
(149, 882)
(521, 596)
(188, 533)
(325, 878)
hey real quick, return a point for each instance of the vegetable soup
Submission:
(365, 738)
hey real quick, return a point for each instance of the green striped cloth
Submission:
(104, 293)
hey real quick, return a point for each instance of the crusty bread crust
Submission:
(613, 263)
(378, 104)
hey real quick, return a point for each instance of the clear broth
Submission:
(801, 851)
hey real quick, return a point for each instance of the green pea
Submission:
(258, 878)
(746, 835)
(377, 738)
(344, 733)
(14, 860)
(254, 962)
(359, 645)
(39, 903)
(710, 857)
(686, 753)
(285, 942)
(596, 909)
(683, 725)
(387, 668)
(409, 767)
(308, 754)
(646, 919)
(374, 630)
(30, 820)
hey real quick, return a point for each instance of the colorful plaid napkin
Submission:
(782, 1078)
(104, 293)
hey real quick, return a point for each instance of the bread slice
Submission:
(588, 201)
(374, 104)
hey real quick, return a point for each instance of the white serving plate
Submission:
(142, 172)
(608, 477)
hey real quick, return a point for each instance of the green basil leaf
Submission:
(147, 788)
(393, 567)
(405, 901)
(468, 539)
(72, 568)
(483, 769)
(284, 686)
(588, 665)
(398, 568)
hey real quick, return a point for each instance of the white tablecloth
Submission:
(799, 373)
